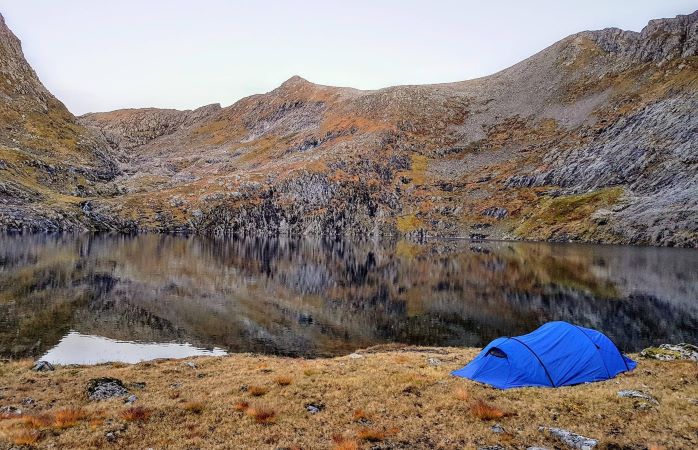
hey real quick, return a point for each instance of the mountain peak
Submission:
(295, 82)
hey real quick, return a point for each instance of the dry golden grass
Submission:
(241, 406)
(136, 414)
(342, 443)
(38, 421)
(461, 394)
(361, 415)
(375, 434)
(25, 437)
(371, 434)
(363, 399)
(68, 417)
(485, 411)
(257, 391)
(262, 415)
(193, 407)
(283, 380)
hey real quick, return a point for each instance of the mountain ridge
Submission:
(565, 145)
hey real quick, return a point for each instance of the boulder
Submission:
(105, 388)
(671, 352)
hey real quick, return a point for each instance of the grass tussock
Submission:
(373, 434)
(283, 380)
(361, 415)
(38, 421)
(461, 394)
(257, 391)
(136, 414)
(309, 372)
(68, 417)
(342, 443)
(25, 437)
(262, 415)
(193, 407)
(486, 411)
(241, 406)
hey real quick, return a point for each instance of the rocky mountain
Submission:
(592, 139)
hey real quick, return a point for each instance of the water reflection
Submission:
(315, 297)
(77, 348)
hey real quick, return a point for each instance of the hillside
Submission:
(48, 162)
(592, 139)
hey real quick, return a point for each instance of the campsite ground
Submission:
(385, 397)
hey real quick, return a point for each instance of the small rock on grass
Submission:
(43, 366)
(105, 388)
(131, 399)
(630, 393)
(10, 411)
(497, 428)
(572, 440)
(314, 408)
(434, 361)
(355, 356)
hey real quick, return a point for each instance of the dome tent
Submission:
(556, 354)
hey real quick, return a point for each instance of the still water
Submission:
(96, 298)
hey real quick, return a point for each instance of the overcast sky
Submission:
(98, 55)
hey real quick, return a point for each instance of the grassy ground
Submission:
(388, 398)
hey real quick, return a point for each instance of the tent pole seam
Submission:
(598, 352)
(539, 360)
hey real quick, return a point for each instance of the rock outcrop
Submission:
(592, 139)
(48, 162)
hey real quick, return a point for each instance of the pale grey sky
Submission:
(98, 55)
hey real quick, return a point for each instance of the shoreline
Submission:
(381, 397)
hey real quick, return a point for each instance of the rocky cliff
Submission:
(49, 163)
(592, 139)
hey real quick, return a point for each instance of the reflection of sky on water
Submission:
(314, 297)
(77, 348)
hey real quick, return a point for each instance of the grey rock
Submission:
(491, 447)
(570, 439)
(131, 399)
(106, 388)
(434, 361)
(111, 436)
(536, 448)
(314, 408)
(496, 212)
(189, 364)
(671, 352)
(355, 356)
(43, 366)
(497, 428)
(629, 393)
(10, 411)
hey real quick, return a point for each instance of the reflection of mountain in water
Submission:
(315, 297)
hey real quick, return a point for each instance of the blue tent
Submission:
(556, 354)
